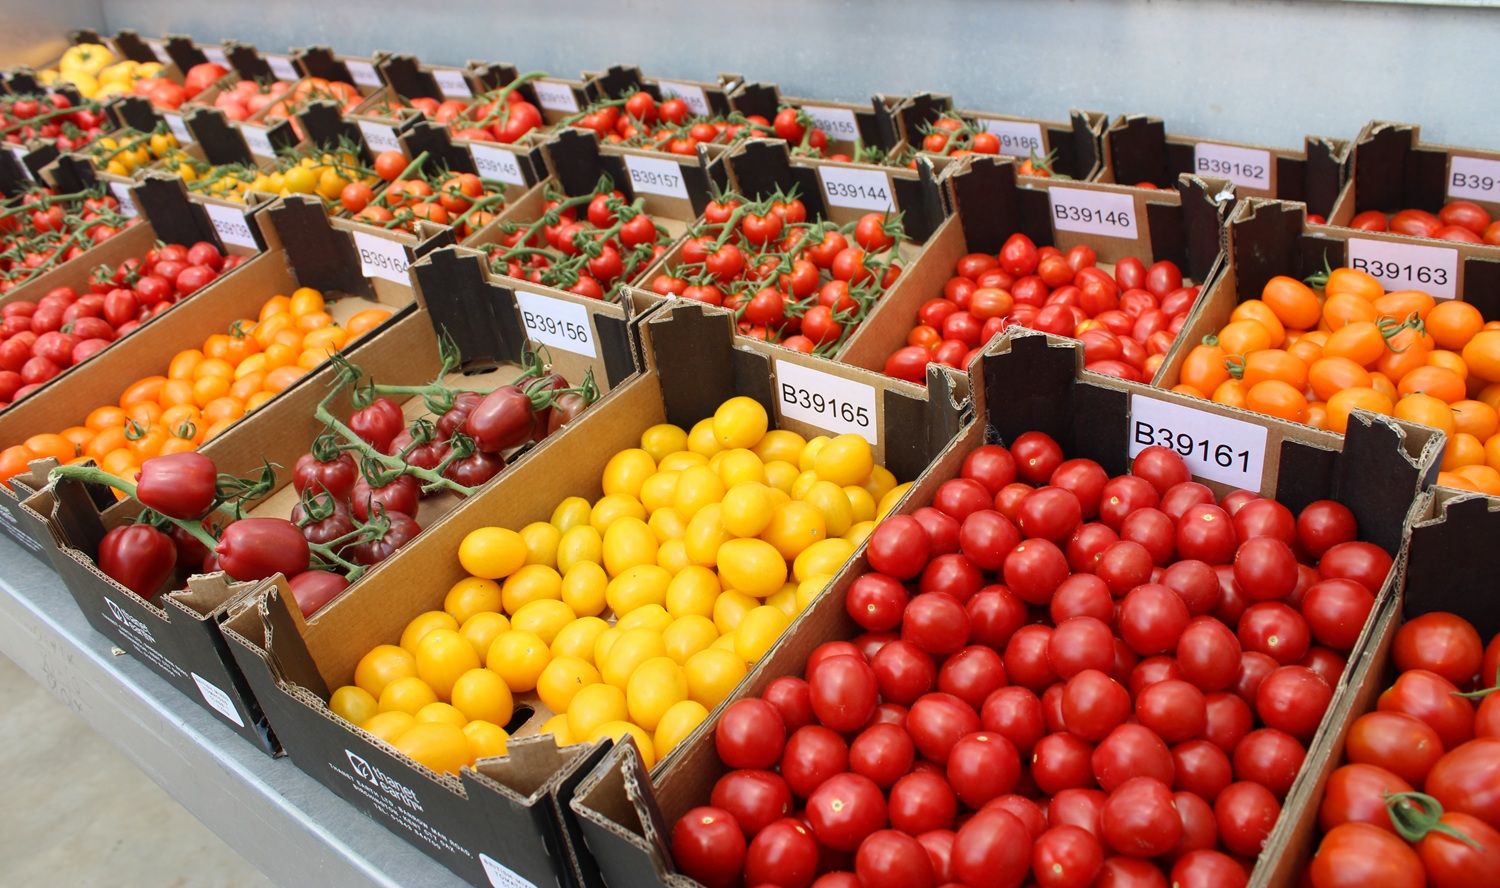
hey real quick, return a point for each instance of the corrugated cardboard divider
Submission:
(1392, 173)
(324, 123)
(424, 135)
(185, 54)
(247, 62)
(320, 61)
(407, 78)
(616, 808)
(1454, 560)
(575, 159)
(221, 143)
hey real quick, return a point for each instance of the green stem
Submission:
(95, 475)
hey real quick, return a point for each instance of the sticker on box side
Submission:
(219, 701)
(498, 164)
(121, 191)
(1230, 451)
(656, 176)
(556, 323)
(382, 258)
(1474, 178)
(178, 126)
(1093, 212)
(379, 137)
(230, 223)
(837, 405)
(452, 83)
(364, 73)
(839, 123)
(1018, 138)
(1406, 266)
(696, 99)
(258, 140)
(216, 55)
(856, 189)
(555, 96)
(282, 67)
(1248, 167)
(502, 876)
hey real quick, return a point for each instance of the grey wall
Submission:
(34, 32)
(1251, 70)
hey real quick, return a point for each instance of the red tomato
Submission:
(1358, 854)
(1399, 744)
(1467, 779)
(1442, 643)
(708, 845)
(844, 810)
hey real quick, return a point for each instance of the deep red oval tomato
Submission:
(1037, 456)
(1026, 658)
(1120, 871)
(259, 548)
(1206, 868)
(882, 753)
(990, 465)
(844, 810)
(1467, 779)
(951, 575)
(1399, 744)
(755, 798)
(1161, 467)
(1265, 518)
(958, 497)
(942, 530)
(1152, 619)
(1078, 644)
(1443, 643)
(936, 721)
(983, 766)
(1245, 813)
(1265, 568)
(922, 801)
(843, 692)
(1358, 854)
(1093, 704)
(1356, 793)
(1062, 761)
(1123, 495)
(1051, 513)
(1033, 570)
(1201, 768)
(1229, 720)
(1066, 857)
(783, 853)
(1454, 862)
(891, 859)
(1365, 563)
(1269, 757)
(812, 755)
(708, 845)
(898, 547)
(876, 601)
(994, 616)
(1139, 818)
(972, 674)
(1131, 751)
(1173, 709)
(1336, 611)
(750, 734)
(1205, 533)
(992, 849)
(1016, 714)
(1276, 630)
(1086, 547)
(986, 537)
(1324, 524)
(1154, 530)
(936, 623)
(1209, 654)
(1293, 699)
(1433, 699)
(138, 557)
(903, 672)
(1123, 565)
(792, 699)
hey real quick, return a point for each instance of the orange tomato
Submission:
(101, 418)
(278, 355)
(265, 331)
(1329, 376)
(1274, 363)
(1294, 303)
(362, 322)
(1203, 368)
(330, 338)
(1475, 418)
(1183, 388)
(291, 337)
(1405, 351)
(147, 389)
(1304, 349)
(1317, 414)
(1454, 482)
(274, 306)
(177, 391)
(1453, 323)
(184, 363)
(1463, 450)
(1492, 451)
(1255, 310)
(1483, 478)
(213, 367)
(241, 344)
(13, 461)
(208, 388)
(223, 409)
(1449, 360)
(247, 385)
(1482, 354)
(1401, 304)
(1441, 383)
(1360, 342)
(1244, 337)
(145, 413)
(256, 363)
(277, 380)
(175, 444)
(217, 429)
(1359, 284)
(48, 444)
(1382, 383)
(315, 320)
(149, 444)
(1425, 410)
(305, 301)
(1276, 398)
(216, 346)
(122, 462)
(106, 441)
(78, 436)
(258, 399)
(174, 418)
(1342, 403)
(1342, 310)
(1231, 392)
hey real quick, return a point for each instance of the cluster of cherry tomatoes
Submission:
(413, 193)
(789, 280)
(503, 116)
(308, 90)
(1064, 677)
(640, 121)
(1458, 220)
(42, 229)
(247, 98)
(1127, 320)
(40, 339)
(54, 117)
(1308, 358)
(591, 244)
(1417, 802)
(950, 136)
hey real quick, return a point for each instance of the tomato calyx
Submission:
(1415, 814)
(1319, 279)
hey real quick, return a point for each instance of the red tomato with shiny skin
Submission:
(1358, 854)
(1443, 643)
(708, 845)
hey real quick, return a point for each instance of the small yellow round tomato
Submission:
(672, 554)
(712, 675)
(803, 483)
(544, 617)
(353, 704)
(636, 587)
(667, 525)
(780, 444)
(384, 664)
(781, 475)
(662, 439)
(422, 624)
(659, 490)
(654, 687)
(688, 635)
(697, 487)
(389, 725)
(747, 509)
(891, 500)
(578, 545)
(557, 726)
(810, 452)
(541, 538)
(486, 739)
(483, 694)
(492, 552)
(704, 534)
(441, 714)
(730, 608)
(676, 724)
(578, 637)
(809, 589)
(519, 658)
(628, 543)
(758, 630)
(620, 729)
(752, 566)
(861, 503)
(469, 596)
(570, 513)
(441, 747)
(824, 557)
(845, 460)
(406, 695)
(857, 534)
(648, 616)
(626, 471)
(881, 482)
(785, 600)
(692, 591)
(583, 588)
(533, 582)
(724, 642)
(594, 705)
(630, 649)
(740, 467)
(561, 681)
(740, 422)
(701, 438)
(442, 656)
(681, 461)
(612, 507)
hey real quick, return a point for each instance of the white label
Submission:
(502, 876)
(382, 258)
(379, 136)
(497, 163)
(1247, 167)
(1018, 138)
(1406, 266)
(832, 403)
(230, 223)
(121, 191)
(1093, 212)
(159, 49)
(656, 176)
(697, 101)
(1474, 178)
(219, 701)
(20, 154)
(216, 55)
(178, 127)
(364, 73)
(839, 123)
(258, 140)
(1230, 451)
(452, 83)
(856, 189)
(282, 67)
(555, 96)
(553, 322)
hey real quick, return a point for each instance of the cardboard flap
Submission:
(1404, 457)
(319, 61)
(991, 206)
(920, 200)
(136, 113)
(1081, 151)
(21, 81)
(917, 111)
(221, 142)
(1323, 173)
(324, 123)
(491, 76)
(621, 822)
(760, 167)
(77, 514)
(34, 479)
(691, 347)
(1205, 204)
(619, 81)
(573, 154)
(320, 255)
(926, 424)
(285, 650)
(185, 54)
(452, 286)
(1379, 161)
(163, 199)
(85, 35)
(407, 78)
(1263, 242)
(756, 98)
(1138, 150)
(424, 135)
(247, 62)
(132, 47)
(1452, 561)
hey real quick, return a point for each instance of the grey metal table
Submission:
(281, 820)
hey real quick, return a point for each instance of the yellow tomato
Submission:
(785, 600)
(353, 704)
(697, 487)
(492, 552)
(579, 545)
(612, 507)
(486, 740)
(541, 540)
(809, 456)
(780, 444)
(758, 630)
(532, 582)
(482, 629)
(845, 460)
(662, 439)
(781, 475)
(584, 586)
(440, 714)
(830, 499)
(824, 557)
(406, 695)
(712, 675)
(626, 471)
(681, 461)
(656, 686)
(637, 586)
(544, 617)
(618, 730)
(692, 591)
(470, 596)
(857, 534)
(658, 491)
(676, 724)
(570, 513)
(666, 524)
(730, 608)
(809, 589)
(628, 543)
(752, 566)
(593, 706)
(647, 616)
(688, 635)
(630, 649)
(382, 665)
(557, 726)
(861, 503)
(442, 656)
(389, 725)
(740, 467)
(891, 499)
(578, 637)
(422, 624)
(483, 694)
(739, 422)
(561, 681)
(703, 536)
(701, 438)
(519, 658)
(747, 509)
(441, 747)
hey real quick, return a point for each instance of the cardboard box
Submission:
(989, 202)
(1138, 148)
(178, 633)
(692, 363)
(305, 248)
(1077, 142)
(1025, 381)
(853, 129)
(1393, 169)
(1264, 238)
(1448, 565)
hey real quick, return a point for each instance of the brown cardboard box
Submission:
(1449, 566)
(1025, 381)
(178, 634)
(1077, 142)
(1264, 238)
(692, 364)
(852, 129)
(1393, 169)
(1139, 149)
(989, 202)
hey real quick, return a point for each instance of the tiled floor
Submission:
(74, 811)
